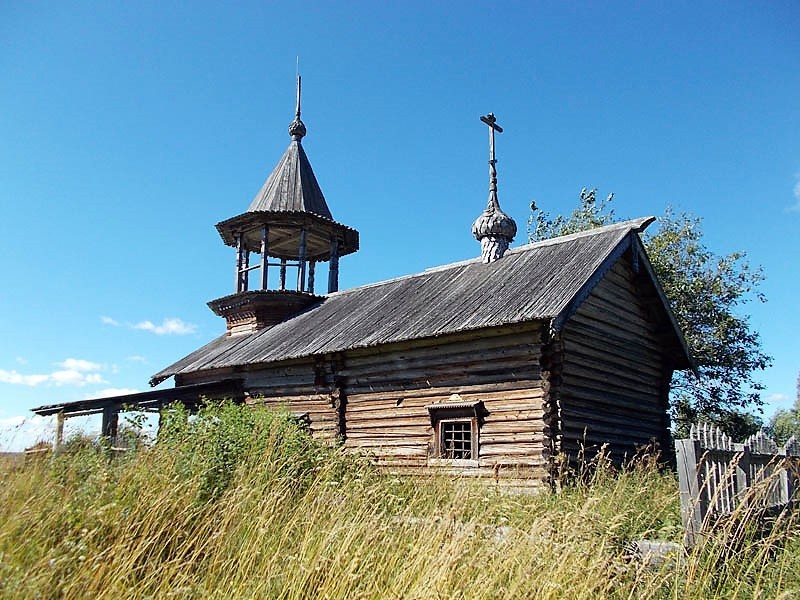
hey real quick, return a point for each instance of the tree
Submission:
(786, 423)
(705, 292)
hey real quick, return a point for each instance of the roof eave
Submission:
(151, 399)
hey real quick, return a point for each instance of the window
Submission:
(456, 429)
(455, 439)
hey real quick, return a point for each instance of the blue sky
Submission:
(130, 128)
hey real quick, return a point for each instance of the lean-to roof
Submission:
(539, 281)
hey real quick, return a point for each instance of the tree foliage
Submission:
(589, 214)
(786, 423)
(706, 292)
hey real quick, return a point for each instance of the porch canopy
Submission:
(191, 396)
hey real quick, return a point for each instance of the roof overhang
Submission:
(283, 234)
(191, 396)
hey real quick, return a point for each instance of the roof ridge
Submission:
(637, 225)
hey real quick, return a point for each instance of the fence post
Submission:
(742, 474)
(792, 452)
(59, 441)
(694, 496)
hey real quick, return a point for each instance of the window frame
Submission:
(455, 411)
(441, 449)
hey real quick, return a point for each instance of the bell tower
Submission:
(290, 229)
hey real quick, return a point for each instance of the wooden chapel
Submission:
(500, 366)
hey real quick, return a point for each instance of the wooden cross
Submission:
(491, 121)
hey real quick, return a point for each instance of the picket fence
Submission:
(718, 476)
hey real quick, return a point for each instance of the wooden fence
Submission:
(718, 476)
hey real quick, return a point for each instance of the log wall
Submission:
(614, 371)
(387, 392)
(374, 400)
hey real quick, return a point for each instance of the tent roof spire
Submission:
(292, 185)
(297, 128)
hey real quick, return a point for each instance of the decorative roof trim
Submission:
(252, 217)
(456, 409)
(453, 405)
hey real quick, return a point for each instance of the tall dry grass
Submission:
(243, 504)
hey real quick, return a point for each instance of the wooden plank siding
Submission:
(387, 393)
(615, 373)
(374, 400)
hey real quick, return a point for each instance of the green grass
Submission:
(243, 504)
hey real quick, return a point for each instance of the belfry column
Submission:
(333, 268)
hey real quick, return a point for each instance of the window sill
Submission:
(452, 462)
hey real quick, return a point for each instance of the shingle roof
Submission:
(292, 186)
(532, 282)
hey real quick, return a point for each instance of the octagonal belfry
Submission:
(290, 228)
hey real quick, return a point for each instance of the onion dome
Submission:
(495, 230)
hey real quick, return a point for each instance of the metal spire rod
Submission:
(297, 109)
(297, 129)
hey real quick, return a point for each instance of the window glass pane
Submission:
(456, 439)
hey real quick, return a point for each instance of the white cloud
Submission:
(777, 398)
(137, 359)
(778, 401)
(19, 379)
(78, 364)
(21, 360)
(796, 191)
(18, 433)
(167, 327)
(74, 371)
(73, 377)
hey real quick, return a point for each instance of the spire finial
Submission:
(297, 129)
(297, 109)
(493, 228)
